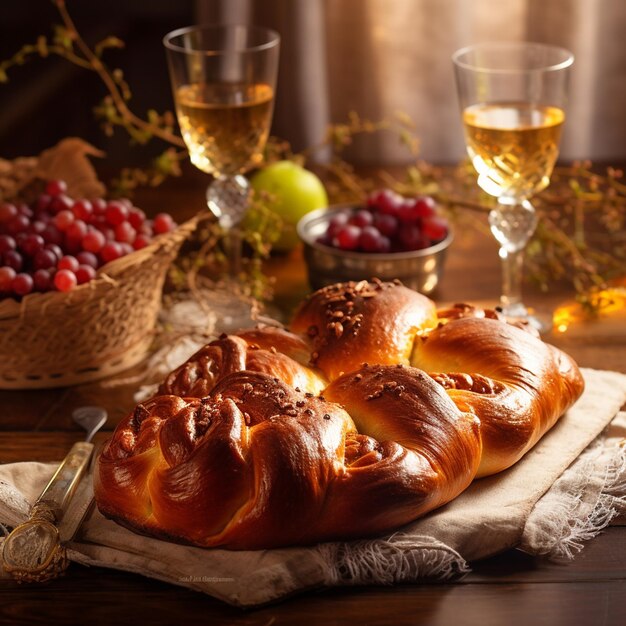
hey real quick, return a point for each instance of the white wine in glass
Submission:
(223, 79)
(513, 146)
(225, 125)
(512, 100)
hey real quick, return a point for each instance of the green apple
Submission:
(291, 191)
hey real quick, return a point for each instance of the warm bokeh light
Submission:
(607, 304)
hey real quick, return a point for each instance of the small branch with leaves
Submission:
(113, 111)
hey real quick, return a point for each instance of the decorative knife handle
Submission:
(33, 552)
(59, 491)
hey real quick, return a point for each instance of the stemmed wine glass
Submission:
(512, 98)
(223, 78)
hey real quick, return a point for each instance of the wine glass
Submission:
(223, 78)
(513, 98)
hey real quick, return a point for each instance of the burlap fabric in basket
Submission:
(547, 503)
(98, 329)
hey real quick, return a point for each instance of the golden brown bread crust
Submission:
(270, 350)
(515, 383)
(354, 323)
(256, 464)
(243, 452)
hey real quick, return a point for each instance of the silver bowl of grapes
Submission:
(389, 237)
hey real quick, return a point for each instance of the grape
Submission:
(386, 224)
(37, 227)
(64, 219)
(17, 224)
(44, 259)
(65, 280)
(93, 241)
(435, 228)
(384, 244)
(362, 218)
(109, 233)
(111, 251)
(126, 248)
(32, 244)
(82, 209)
(389, 202)
(68, 262)
(55, 249)
(324, 240)
(103, 226)
(13, 259)
(369, 241)
(425, 206)
(61, 203)
(408, 212)
(348, 237)
(19, 238)
(374, 200)
(42, 280)
(77, 230)
(7, 212)
(412, 237)
(146, 229)
(24, 209)
(336, 223)
(125, 233)
(7, 243)
(136, 217)
(44, 217)
(116, 213)
(163, 223)
(22, 284)
(84, 274)
(51, 234)
(98, 222)
(416, 209)
(87, 258)
(141, 241)
(56, 187)
(99, 206)
(42, 203)
(7, 274)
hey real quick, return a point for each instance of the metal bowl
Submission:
(419, 269)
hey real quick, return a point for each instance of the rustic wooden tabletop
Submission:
(511, 588)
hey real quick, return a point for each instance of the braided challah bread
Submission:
(373, 409)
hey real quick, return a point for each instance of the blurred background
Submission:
(375, 57)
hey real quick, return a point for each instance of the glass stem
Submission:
(227, 198)
(233, 242)
(512, 223)
(512, 269)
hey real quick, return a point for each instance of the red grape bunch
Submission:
(387, 223)
(59, 242)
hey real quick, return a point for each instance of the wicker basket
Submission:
(96, 330)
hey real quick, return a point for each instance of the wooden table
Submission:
(512, 588)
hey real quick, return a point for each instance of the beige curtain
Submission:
(381, 56)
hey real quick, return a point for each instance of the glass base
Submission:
(517, 312)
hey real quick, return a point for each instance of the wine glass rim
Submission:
(568, 57)
(273, 39)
